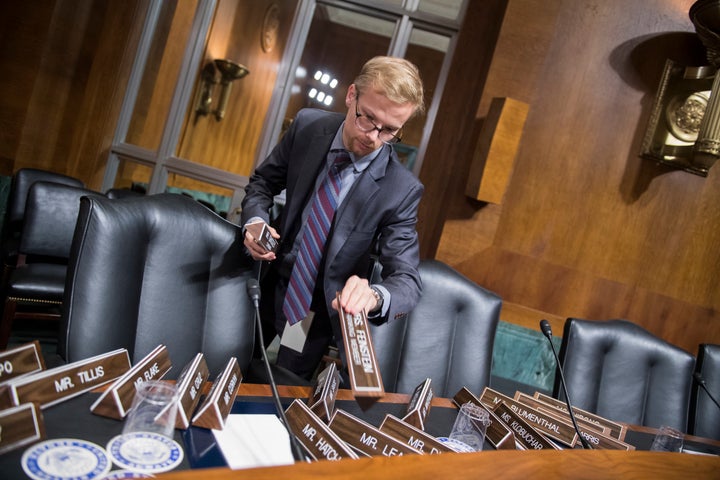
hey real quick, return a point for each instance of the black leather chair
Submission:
(704, 413)
(621, 371)
(34, 288)
(158, 269)
(448, 337)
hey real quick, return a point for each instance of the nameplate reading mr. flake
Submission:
(116, 400)
(365, 438)
(190, 384)
(365, 380)
(525, 435)
(53, 386)
(322, 401)
(498, 433)
(317, 438)
(21, 360)
(20, 426)
(216, 407)
(412, 436)
(419, 405)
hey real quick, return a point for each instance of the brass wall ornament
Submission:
(229, 72)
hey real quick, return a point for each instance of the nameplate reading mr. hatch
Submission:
(419, 405)
(365, 379)
(214, 410)
(20, 426)
(365, 438)
(317, 438)
(322, 401)
(190, 385)
(116, 400)
(21, 360)
(498, 433)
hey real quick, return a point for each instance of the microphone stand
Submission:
(547, 331)
(253, 289)
(701, 381)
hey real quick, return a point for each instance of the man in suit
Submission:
(376, 214)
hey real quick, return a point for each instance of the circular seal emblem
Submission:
(145, 452)
(270, 27)
(65, 458)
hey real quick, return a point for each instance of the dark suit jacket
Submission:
(380, 208)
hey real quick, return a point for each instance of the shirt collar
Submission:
(359, 164)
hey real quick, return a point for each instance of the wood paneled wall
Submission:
(587, 228)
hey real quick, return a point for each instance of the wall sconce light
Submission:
(229, 71)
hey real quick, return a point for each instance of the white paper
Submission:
(250, 440)
(294, 335)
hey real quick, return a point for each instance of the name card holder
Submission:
(116, 401)
(214, 410)
(412, 436)
(190, 386)
(615, 430)
(20, 361)
(526, 436)
(56, 385)
(20, 426)
(322, 401)
(419, 405)
(319, 441)
(548, 425)
(367, 439)
(498, 433)
(364, 373)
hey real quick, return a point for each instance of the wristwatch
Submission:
(378, 299)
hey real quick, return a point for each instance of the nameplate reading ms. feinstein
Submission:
(190, 384)
(216, 407)
(56, 385)
(20, 426)
(412, 436)
(616, 430)
(322, 401)
(497, 433)
(526, 436)
(548, 425)
(365, 380)
(367, 439)
(317, 438)
(21, 360)
(419, 405)
(116, 400)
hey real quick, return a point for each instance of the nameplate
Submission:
(615, 430)
(526, 436)
(116, 401)
(20, 426)
(190, 385)
(56, 385)
(365, 380)
(322, 401)
(412, 436)
(365, 438)
(419, 405)
(214, 410)
(21, 360)
(263, 237)
(317, 438)
(497, 433)
(583, 423)
(551, 427)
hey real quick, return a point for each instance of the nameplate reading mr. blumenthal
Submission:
(365, 380)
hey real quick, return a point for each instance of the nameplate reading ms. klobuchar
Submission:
(56, 385)
(365, 438)
(498, 433)
(190, 385)
(20, 426)
(419, 405)
(616, 430)
(412, 436)
(322, 401)
(214, 410)
(116, 400)
(317, 438)
(21, 360)
(365, 379)
(526, 436)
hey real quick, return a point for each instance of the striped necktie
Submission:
(312, 245)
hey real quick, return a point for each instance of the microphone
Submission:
(547, 331)
(253, 291)
(701, 381)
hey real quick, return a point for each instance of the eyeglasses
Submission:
(365, 124)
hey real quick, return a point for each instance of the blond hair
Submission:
(396, 78)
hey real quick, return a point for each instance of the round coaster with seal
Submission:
(145, 452)
(125, 474)
(65, 458)
(456, 445)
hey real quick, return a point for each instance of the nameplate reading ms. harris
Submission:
(616, 430)
(20, 426)
(365, 379)
(322, 401)
(21, 360)
(365, 438)
(498, 433)
(55, 385)
(214, 410)
(317, 438)
(190, 385)
(412, 436)
(419, 405)
(116, 400)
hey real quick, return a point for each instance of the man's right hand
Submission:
(257, 251)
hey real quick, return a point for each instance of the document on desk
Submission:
(249, 441)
